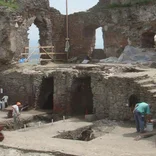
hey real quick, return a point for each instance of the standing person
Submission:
(141, 114)
(155, 41)
(5, 99)
(15, 114)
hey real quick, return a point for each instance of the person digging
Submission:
(141, 115)
(16, 115)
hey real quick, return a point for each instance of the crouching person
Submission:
(16, 115)
(141, 115)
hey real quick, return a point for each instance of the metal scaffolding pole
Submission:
(67, 31)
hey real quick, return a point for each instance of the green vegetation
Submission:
(9, 4)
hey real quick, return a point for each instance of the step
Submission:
(152, 90)
(150, 85)
(144, 81)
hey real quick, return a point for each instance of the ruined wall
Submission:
(16, 38)
(19, 87)
(110, 92)
(5, 53)
(120, 25)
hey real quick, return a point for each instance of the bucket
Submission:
(149, 127)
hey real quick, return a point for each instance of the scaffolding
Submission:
(44, 53)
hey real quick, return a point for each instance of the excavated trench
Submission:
(34, 121)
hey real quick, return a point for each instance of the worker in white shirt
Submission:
(5, 99)
(155, 40)
(15, 114)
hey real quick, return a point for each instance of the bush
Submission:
(9, 4)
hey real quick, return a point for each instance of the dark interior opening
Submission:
(82, 97)
(46, 93)
(133, 100)
(147, 40)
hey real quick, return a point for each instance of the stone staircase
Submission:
(147, 83)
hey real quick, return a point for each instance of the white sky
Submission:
(73, 6)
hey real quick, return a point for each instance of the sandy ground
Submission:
(115, 139)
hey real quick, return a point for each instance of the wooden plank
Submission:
(144, 135)
(45, 59)
(45, 53)
(40, 47)
(52, 53)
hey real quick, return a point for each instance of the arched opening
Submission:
(133, 100)
(46, 94)
(73, 5)
(98, 50)
(33, 36)
(99, 39)
(147, 40)
(82, 97)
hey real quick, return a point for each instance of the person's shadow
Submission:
(133, 135)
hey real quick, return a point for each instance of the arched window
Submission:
(33, 36)
(99, 39)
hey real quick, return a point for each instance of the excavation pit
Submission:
(88, 133)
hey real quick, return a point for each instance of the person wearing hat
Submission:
(15, 114)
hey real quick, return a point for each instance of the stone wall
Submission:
(14, 39)
(19, 87)
(110, 92)
(6, 54)
(120, 26)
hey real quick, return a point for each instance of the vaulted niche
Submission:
(46, 94)
(81, 96)
(147, 40)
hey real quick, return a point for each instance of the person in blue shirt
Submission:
(141, 113)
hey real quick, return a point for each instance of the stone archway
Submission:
(19, 36)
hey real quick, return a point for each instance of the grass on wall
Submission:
(9, 4)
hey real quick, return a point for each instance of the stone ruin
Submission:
(100, 89)
(122, 26)
(104, 90)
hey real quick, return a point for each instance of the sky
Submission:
(73, 6)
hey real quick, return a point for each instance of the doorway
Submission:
(147, 40)
(46, 94)
(82, 97)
